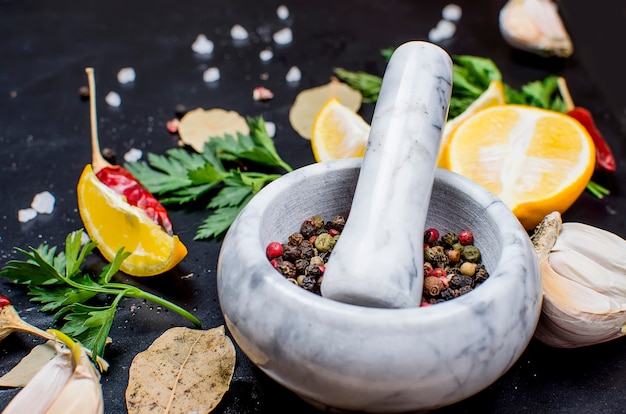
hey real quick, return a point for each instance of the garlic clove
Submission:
(535, 26)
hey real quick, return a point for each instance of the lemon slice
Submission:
(113, 223)
(338, 132)
(535, 160)
(492, 96)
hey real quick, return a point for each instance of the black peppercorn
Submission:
(457, 281)
(301, 265)
(338, 223)
(291, 252)
(287, 268)
(307, 250)
(314, 271)
(449, 239)
(307, 229)
(308, 282)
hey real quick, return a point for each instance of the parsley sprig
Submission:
(221, 172)
(57, 281)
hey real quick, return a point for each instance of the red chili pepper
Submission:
(123, 182)
(4, 301)
(604, 156)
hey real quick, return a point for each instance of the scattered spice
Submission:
(266, 55)
(283, 36)
(282, 12)
(238, 32)
(261, 93)
(211, 75)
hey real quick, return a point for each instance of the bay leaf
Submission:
(184, 370)
(28, 366)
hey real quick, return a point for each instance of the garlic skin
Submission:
(584, 288)
(535, 26)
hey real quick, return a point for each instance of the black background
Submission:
(44, 145)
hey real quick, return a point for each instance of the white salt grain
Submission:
(282, 12)
(43, 203)
(26, 214)
(452, 12)
(444, 30)
(270, 127)
(266, 55)
(113, 99)
(238, 32)
(211, 75)
(202, 45)
(133, 155)
(293, 75)
(126, 75)
(283, 36)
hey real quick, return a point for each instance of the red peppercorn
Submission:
(431, 235)
(322, 268)
(274, 263)
(466, 237)
(4, 301)
(274, 250)
(333, 232)
(312, 239)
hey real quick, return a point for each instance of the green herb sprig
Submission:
(57, 281)
(471, 77)
(221, 172)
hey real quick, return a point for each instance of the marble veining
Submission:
(343, 357)
(378, 261)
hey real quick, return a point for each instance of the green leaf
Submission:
(55, 297)
(217, 223)
(90, 325)
(230, 196)
(366, 83)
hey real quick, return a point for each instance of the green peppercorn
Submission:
(470, 254)
(318, 222)
(324, 242)
(435, 255)
(316, 261)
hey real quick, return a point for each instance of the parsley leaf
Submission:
(57, 282)
(221, 173)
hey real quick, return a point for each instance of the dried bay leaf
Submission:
(184, 370)
(196, 127)
(28, 366)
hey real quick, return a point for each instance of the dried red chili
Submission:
(123, 182)
(604, 156)
(4, 301)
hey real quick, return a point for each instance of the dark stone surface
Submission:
(44, 145)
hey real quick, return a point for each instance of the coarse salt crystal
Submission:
(202, 45)
(283, 36)
(238, 32)
(293, 74)
(113, 99)
(452, 12)
(43, 202)
(270, 127)
(266, 55)
(211, 75)
(282, 12)
(444, 30)
(126, 75)
(26, 214)
(133, 155)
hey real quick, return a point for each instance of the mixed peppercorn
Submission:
(452, 263)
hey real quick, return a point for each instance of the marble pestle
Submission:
(378, 260)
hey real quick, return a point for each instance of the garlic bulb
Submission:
(535, 26)
(583, 270)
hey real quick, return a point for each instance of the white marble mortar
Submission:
(343, 357)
